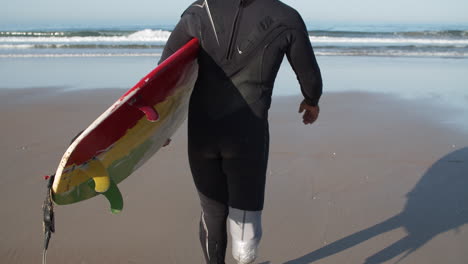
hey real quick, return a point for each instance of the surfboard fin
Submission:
(151, 114)
(105, 185)
(114, 196)
(98, 173)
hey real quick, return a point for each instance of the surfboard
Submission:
(128, 133)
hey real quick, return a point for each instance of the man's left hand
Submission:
(311, 113)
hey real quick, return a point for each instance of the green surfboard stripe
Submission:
(121, 169)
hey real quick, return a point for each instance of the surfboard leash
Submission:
(48, 222)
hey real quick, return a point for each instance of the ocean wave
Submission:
(80, 55)
(17, 46)
(435, 34)
(450, 34)
(72, 33)
(100, 43)
(146, 35)
(318, 52)
(150, 36)
(393, 54)
(81, 46)
(399, 41)
(31, 34)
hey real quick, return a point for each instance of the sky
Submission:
(160, 12)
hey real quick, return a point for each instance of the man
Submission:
(243, 43)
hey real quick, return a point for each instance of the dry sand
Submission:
(376, 179)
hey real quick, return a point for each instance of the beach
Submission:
(381, 177)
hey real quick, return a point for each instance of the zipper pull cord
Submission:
(233, 30)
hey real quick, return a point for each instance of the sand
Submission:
(377, 179)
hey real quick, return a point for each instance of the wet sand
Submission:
(376, 179)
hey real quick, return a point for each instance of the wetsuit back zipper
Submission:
(235, 26)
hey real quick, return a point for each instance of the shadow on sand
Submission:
(437, 204)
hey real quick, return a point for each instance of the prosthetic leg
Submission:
(246, 231)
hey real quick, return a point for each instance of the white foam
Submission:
(13, 46)
(146, 35)
(75, 55)
(32, 34)
(150, 35)
(393, 54)
(400, 41)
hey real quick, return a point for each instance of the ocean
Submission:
(425, 63)
(389, 41)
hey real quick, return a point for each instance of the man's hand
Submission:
(311, 113)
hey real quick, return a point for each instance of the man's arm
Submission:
(182, 33)
(302, 59)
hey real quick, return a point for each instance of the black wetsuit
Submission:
(243, 43)
(242, 46)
